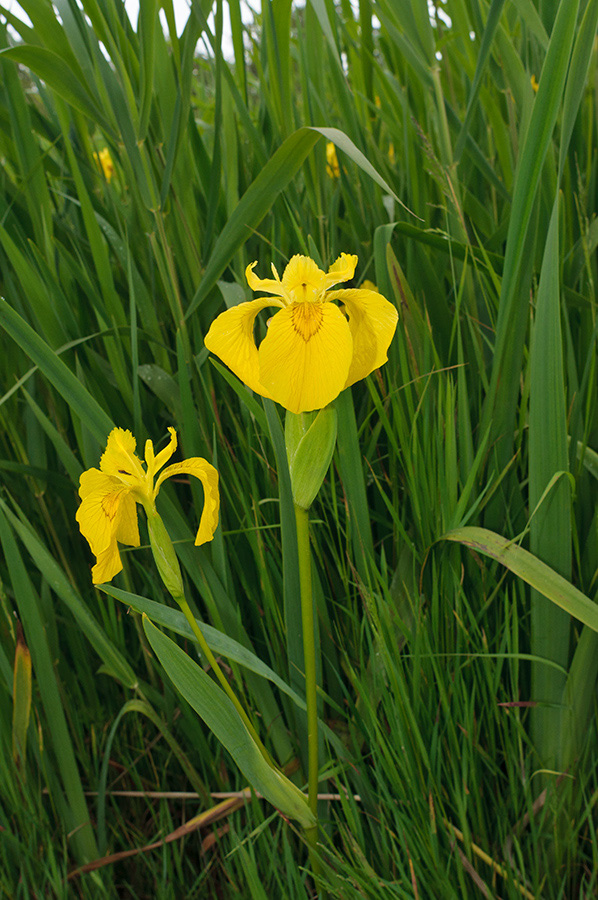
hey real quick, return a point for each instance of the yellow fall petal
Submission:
(208, 476)
(127, 524)
(101, 496)
(372, 321)
(108, 565)
(231, 338)
(305, 357)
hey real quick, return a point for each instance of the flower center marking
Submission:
(307, 319)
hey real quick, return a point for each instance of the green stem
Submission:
(220, 675)
(309, 656)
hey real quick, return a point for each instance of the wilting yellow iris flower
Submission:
(313, 349)
(110, 494)
(104, 160)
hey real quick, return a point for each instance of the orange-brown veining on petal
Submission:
(307, 319)
(110, 504)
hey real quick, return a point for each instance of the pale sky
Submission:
(181, 13)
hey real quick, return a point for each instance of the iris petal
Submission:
(305, 358)
(97, 516)
(208, 476)
(231, 338)
(372, 321)
(119, 457)
(342, 269)
(270, 285)
(302, 279)
(108, 564)
(127, 525)
(165, 454)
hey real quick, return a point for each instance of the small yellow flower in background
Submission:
(110, 494)
(391, 153)
(332, 167)
(104, 160)
(367, 285)
(535, 84)
(313, 349)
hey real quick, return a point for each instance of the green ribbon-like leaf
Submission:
(221, 717)
(527, 566)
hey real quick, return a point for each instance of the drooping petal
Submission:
(305, 357)
(231, 338)
(373, 321)
(119, 457)
(342, 269)
(208, 476)
(127, 525)
(269, 285)
(101, 496)
(108, 565)
(302, 279)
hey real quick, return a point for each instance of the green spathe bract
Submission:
(310, 439)
(164, 556)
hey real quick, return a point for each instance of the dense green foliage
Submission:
(470, 200)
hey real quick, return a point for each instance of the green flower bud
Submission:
(310, 438)
(164, 556)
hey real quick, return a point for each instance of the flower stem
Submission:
(309, 656)
(185, 608)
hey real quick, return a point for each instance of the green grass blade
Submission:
(550, 526)
(57, 730)
(65, 382)
(500, 403)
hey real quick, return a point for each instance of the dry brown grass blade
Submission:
(208, 817)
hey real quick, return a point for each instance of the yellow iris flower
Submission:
(333, 170)
(104, 160)
(313, 349)
(110, 494)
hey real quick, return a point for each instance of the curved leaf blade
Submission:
(217, 711)
(528, 567)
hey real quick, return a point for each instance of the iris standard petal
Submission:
(343, 269)
(208, 476)
(101, 496)
(302, 279)
(305, 357)
(269, 285)
(164, 455)
(231, 338)
(108, 565)
(373, 321)
(119, 457)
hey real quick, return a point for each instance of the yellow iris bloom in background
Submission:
(110, 494)
(333, 170)
(104, 160)
(313, 349)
